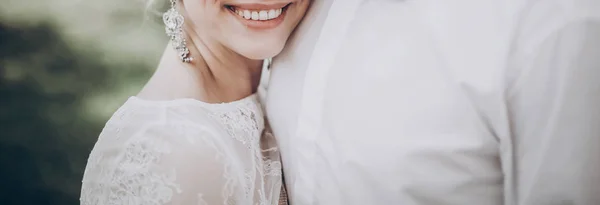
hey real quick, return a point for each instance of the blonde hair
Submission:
(153, 7)
(149, 3)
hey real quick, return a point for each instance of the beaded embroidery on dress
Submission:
(183, 152)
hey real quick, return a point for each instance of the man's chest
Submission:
(396, 95)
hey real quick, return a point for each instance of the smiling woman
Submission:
(195, 133)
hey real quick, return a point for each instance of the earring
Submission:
(174, 28)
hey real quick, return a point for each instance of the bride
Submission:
(193, 134)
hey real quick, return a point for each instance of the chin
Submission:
(262, 53)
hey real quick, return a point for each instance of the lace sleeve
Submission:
(159, 164)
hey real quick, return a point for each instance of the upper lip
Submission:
(259, 6)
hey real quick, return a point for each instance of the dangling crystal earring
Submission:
(174, 28)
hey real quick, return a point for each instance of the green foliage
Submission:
(59, 83)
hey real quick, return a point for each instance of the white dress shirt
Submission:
(454, 102)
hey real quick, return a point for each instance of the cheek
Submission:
(203, 13)
(204, 3)
(304, 7)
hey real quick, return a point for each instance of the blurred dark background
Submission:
(65, 66)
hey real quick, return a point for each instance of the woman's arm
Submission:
(161, 163)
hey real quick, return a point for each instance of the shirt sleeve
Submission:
(554, 110)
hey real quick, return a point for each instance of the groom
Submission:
(456, 102)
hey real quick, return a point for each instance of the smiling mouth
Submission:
(259, 12)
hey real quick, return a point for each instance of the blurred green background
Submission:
(65, 66)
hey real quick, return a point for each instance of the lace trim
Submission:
(244, 124)
(119, 117)
(201, 200)
(241, 124)
(272, 168)
(132, 173)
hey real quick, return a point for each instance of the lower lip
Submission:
(261, 25)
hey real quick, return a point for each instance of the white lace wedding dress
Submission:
(183, 152)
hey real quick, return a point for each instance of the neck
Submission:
(215, 75)
(227, 71)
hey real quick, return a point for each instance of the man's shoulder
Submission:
(537, 20)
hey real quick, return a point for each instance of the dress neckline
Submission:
(187, 101)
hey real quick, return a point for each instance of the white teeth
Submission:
(262, 15)
(272, 14)
(254, 15)
(247, 14)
